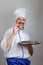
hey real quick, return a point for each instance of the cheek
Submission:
(17, 21)
(24, 22)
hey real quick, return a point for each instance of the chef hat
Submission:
(20, 12)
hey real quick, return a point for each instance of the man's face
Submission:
(20, 22)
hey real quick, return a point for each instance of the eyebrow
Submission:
(19, 18)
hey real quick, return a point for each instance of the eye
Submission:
(19, 22)
(23, 23)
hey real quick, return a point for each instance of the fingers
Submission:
(15, 29)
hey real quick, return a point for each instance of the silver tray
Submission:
(29, 42)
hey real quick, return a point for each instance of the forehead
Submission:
(21, 18)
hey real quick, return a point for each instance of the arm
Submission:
(8, 37)
(9, 40)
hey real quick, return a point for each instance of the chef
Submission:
(14, 53)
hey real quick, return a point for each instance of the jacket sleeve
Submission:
(3, 42)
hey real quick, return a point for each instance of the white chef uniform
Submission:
(14, 50)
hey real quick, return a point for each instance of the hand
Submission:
(15, 30)
(30, 48)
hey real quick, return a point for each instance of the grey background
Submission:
(34, 26)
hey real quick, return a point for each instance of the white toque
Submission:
(20, 12)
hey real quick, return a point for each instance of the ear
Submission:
(25, 21)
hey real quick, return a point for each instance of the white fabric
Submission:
(20, 12)
(14, 50)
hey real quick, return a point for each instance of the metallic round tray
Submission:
(29, 42)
